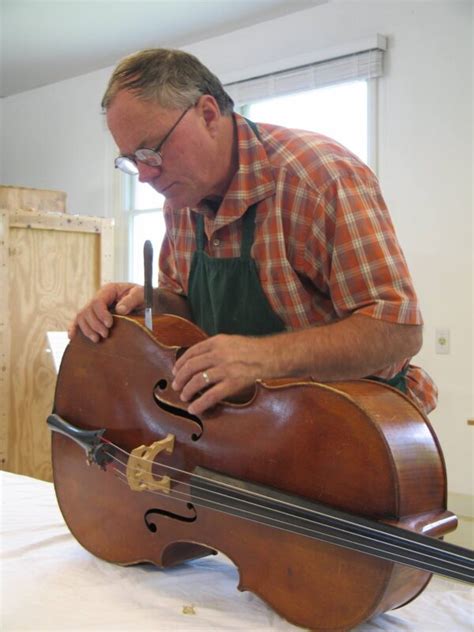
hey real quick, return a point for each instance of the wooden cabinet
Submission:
(51, 263)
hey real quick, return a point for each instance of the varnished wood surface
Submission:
(330, 443)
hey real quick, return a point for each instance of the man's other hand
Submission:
(95, 318)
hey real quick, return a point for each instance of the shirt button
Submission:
(216, 242)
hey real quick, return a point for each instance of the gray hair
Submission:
(172, 78)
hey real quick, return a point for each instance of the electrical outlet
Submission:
(442, 341)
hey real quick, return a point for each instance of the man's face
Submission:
(188, 171)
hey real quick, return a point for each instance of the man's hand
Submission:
(222, 365)
(352, 348)
(95, 319)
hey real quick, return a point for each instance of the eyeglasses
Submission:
(150, 157)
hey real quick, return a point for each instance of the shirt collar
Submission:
(253, 180)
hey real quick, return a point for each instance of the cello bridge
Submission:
(140, 476)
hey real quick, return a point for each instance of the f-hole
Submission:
(162, 386)
(151, 526)
(180, 352)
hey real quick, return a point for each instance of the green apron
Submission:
(398, 381)
(225, 295)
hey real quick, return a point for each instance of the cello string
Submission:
(258, 496)
(344, 530)
(311, 532)
(427, 545)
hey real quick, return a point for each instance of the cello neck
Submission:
(300, 516)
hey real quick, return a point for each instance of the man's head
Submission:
(172, 78)
(168, 102)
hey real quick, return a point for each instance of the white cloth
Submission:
(49, 582)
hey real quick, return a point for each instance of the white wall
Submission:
(54, 137)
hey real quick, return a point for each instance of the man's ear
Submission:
(209, 110)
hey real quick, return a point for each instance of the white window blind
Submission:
(358, 66)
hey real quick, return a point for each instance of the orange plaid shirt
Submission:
(324, 243)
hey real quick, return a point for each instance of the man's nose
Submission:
(146, 173)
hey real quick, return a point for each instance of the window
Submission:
(338, 111)
(145, 221)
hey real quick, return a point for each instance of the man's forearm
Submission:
(352, 348)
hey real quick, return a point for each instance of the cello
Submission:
(329, 498)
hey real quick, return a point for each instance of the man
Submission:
(279, 239)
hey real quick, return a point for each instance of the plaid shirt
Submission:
(324, 243)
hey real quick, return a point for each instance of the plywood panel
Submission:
(4, 335)
(50, 265)
(33, 199)
(52, 274)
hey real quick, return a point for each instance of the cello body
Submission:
(358, 446)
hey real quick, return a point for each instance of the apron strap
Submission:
(200, 233)
(254, 128)
(248, 230)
